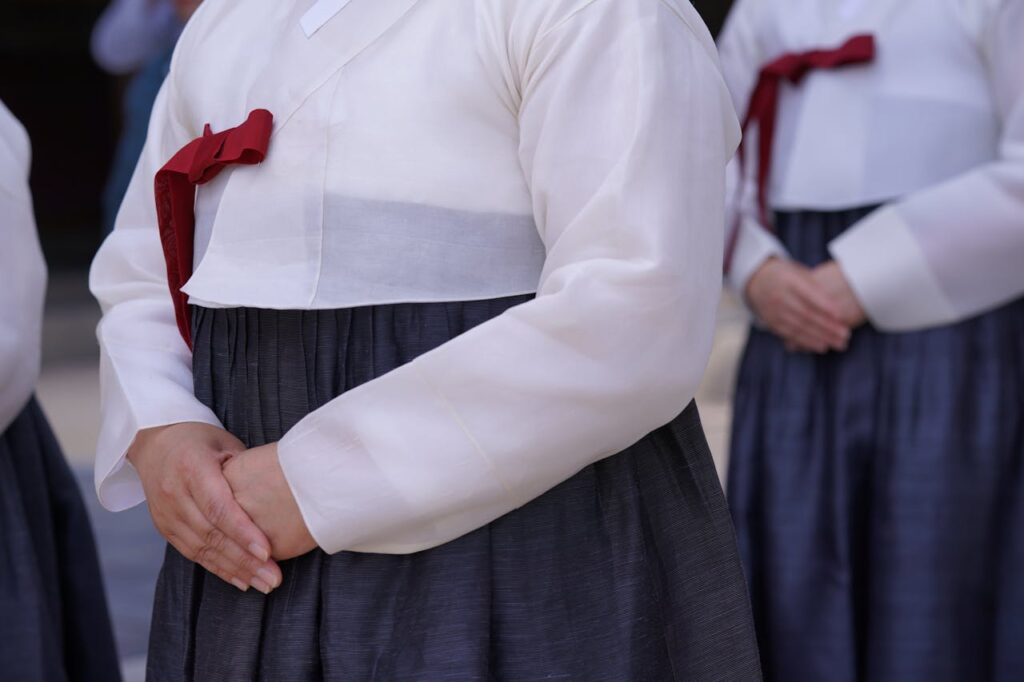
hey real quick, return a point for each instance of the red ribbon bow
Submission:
(764, 104)
(198, 162)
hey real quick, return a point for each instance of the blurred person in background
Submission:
(877, 465)
(428, 388)
(136, 38)
(132, 33)
(53, 612)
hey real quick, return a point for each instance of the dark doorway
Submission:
(49, 81)
(714, 12)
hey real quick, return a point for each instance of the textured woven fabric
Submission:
(626, 572)
(878, 496)
(54, 625)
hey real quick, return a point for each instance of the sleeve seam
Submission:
(582, 8)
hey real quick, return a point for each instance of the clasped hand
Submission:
(811, 310)
(220, 505)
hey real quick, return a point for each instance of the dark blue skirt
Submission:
(54, 625)
(627, 572)
(878, 495)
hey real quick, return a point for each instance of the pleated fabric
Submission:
(878, 496)
(628, 571)
(54, 624)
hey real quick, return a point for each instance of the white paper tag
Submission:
(319, 14)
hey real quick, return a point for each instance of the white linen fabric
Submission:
(23, 272)
(426, 150)
(933, 129)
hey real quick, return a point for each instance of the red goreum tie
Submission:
(198, 162)
(764, 104)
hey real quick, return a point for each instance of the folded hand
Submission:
(797, 307)
(833, 283)
(192, 505)
(259, 485)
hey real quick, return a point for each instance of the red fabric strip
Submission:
(198, 162)
(764, 105)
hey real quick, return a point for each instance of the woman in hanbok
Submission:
(418, 403)
(54, 624)
(877, 460)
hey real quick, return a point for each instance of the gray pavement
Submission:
(130, 556)
(130, 550)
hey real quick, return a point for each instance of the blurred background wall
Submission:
(70, 109)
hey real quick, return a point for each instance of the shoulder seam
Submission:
(697, 33)
(708, 50)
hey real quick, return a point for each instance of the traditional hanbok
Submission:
(460, 259)
(878, 493)
(54, 625)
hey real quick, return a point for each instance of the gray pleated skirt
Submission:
(54, 624)
(878, 494)
(626, 572)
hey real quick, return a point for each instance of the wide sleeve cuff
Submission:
(890, 274)
(754, 245)
(117, 483)
(358, 476)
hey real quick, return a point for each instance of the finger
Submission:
(226, 553)
(229, 443)
(216, 501)
(809, 319)
(810, 346)
(190, 546)
(825, 313)
(209, 553)
(793, 320)
(798, 326)
(809, 289)
(801, 346)
(803, 337)
(178, 520)
(820, 328)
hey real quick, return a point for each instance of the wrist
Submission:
(137, 449)
(147, 437)
(752, 288)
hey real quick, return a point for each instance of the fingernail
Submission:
(239, 584)
(267, 577)
(261, 586)
(259, 552)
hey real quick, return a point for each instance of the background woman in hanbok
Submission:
(455, 299)
(53, 611)
(877, 464)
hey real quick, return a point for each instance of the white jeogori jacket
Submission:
(434, 150)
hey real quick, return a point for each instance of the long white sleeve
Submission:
(625, 130)
(23, 272)
(145, 366)
(956, 249)
(742, 57)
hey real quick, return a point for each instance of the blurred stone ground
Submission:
(130, 550)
